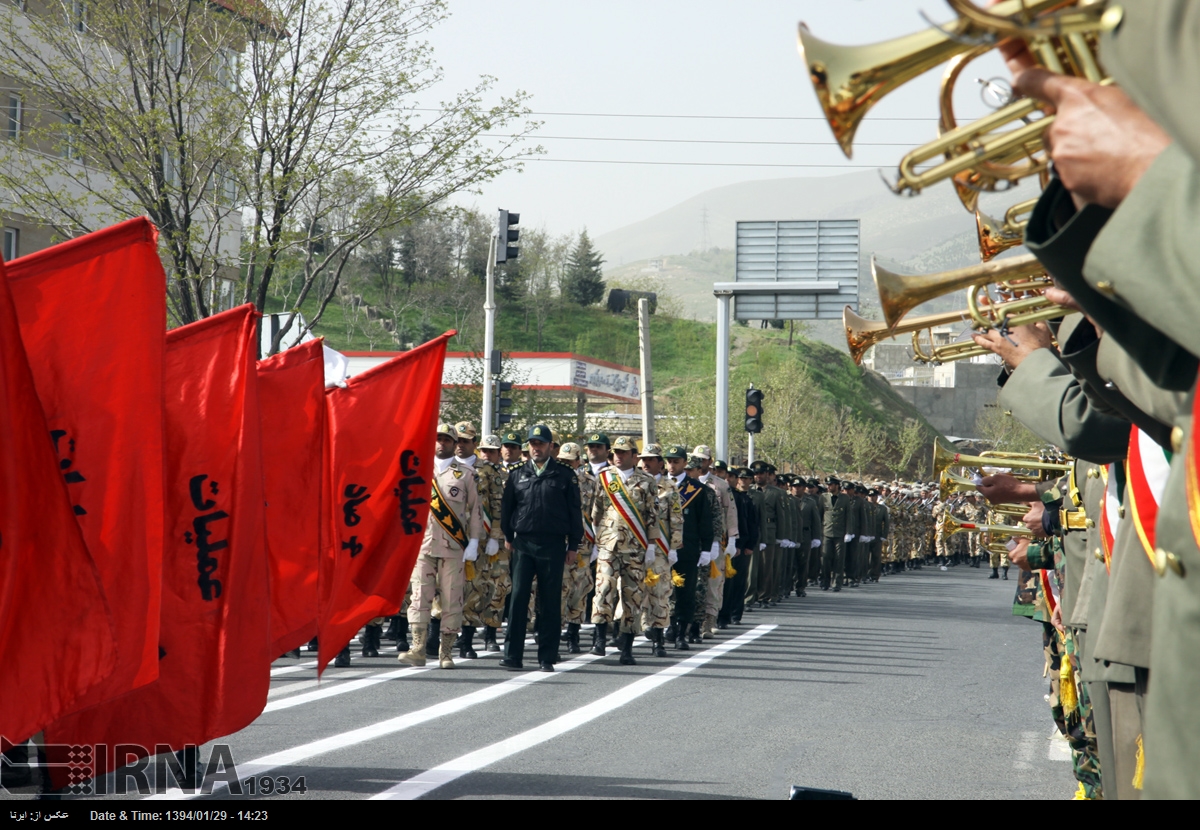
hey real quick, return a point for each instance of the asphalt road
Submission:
(923, 686)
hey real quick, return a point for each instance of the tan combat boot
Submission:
(445, 651)
(415, 656)
(709, 628)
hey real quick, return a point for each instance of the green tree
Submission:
(583, 282)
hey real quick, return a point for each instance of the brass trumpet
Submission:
(862, 334)
(943, 458)
(951, 525)
(900, 294)
(1089, 16)
(849, 80)
(997, 237)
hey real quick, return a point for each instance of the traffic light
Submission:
(503, 404)
(754, 410)
(509, 234)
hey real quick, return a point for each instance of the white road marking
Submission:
(1059, 749)
(1026, 750)
(430, 780)
(293, 669)
(290, 757)
(292, 688)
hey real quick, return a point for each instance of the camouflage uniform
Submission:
(578, 581)
(657, 611)
(491, 572)
(621, 568)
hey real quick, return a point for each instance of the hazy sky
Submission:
(672, 58)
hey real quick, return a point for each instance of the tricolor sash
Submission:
(1147, 467)
(441, 510)
(1110, 514)
(1192, 459)
(622, 502)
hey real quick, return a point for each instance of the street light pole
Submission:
(489, 338)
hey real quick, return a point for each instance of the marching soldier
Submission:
(625, 518)
(727, 514)
(492, 568)
(759, 587)
(883, 530)
(510, 451)
(451, 538)
(735, 587)
(578, 580)
(833, 552)
(656, 615)
(697, 543)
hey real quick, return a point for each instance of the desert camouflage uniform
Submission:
(973, 512)
(439, 568)
(480, 607)
(657, 611)
(621, 568)
(578, 581)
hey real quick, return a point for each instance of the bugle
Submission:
(996, 237)
(944, 458)
(900, 293)
(862, 334)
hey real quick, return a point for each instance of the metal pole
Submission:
(749, 448)
(489, 339)
(647, 382)
(722, 423)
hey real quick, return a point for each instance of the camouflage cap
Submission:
(525, 447)
(466, 430)
(598, 438)
(569, 451)
(447, 429)
(702, 451)
(625, 442)
(540, 432)
(490, 442)
(554, 438)
(652, 451)
(675, 451)
(695, 463)
(513, 438)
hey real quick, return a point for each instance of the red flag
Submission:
(382, 429)
(214, 671)
(92, 313)
(291, 390)
(56, 634)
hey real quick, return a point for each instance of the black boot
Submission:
(489, 639)
(466, 649)
(342, 661)
(433, 637)
(393, 630)
(660, 648)
(669, 634)
(681, 640)
(312, 645)
(995, 573)
(616, 637)
(370, 640)
(402, 635)
(599, 638)
(1005, 573)
(573, 638)
(293, 653)
(694, 633)
(627, 650)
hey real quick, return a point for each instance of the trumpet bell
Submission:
(862, 334)
(900, 293)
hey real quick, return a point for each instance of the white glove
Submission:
(816, 543)
(731, 548)
(705, 558)
(595, 554)
(672, 557)
(790, 543)
(714, 551)
(472, 551)
(762, 545)
(649, 556)
(849, 537)
(493, 547)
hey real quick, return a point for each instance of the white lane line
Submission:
(1026, 750)
(1059, 749)
(293, 687)
(292, 669)
(291, 757)
(426, 782)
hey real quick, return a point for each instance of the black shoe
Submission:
(511, 665)
(489, 639)
(1005, 574)
(681, 643)
(293, 653)
(627, 650)
(694, 633)
(466, 648)
(342, 661)
(599, 638)
(837, 588)
(671, 631)
(393, 629)
(660, 648)
(434, 633)
(573, 638)
(995, 573)
(402, 633)
(803, 593)
(544, 666)
(370, 640)
(312, 645)
(722, 625)
(737, 620)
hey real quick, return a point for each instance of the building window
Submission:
(12, 117)
(79, 15)
(11, 248)
(70, 142)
